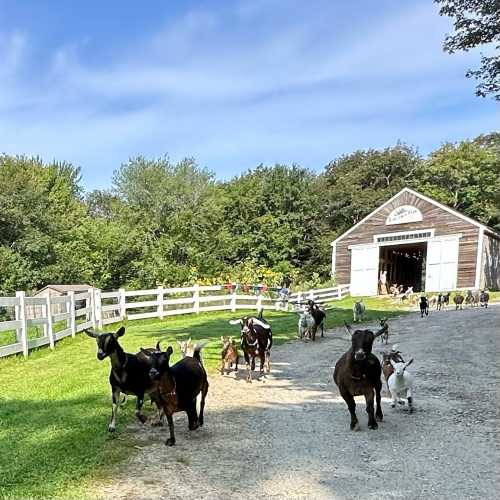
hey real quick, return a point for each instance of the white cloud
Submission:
(241, 93)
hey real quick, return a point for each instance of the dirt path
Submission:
(287, 436)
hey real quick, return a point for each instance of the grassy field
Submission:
(55, 406)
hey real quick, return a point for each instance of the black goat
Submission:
(357, 373)
(129, 373)
(424, 306)
(319, 318)
(178, 386)
(256, 340)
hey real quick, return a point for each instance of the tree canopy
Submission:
(476, 23)
(174, 223)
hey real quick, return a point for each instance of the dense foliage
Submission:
(172, 224)
(476, 23)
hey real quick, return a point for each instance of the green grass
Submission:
(55, 405)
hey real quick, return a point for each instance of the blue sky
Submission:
(230, 83)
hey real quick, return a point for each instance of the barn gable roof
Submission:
(423, 197)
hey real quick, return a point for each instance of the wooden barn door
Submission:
(442, 264)
(364, 270)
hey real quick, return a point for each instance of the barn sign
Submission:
(403, 215)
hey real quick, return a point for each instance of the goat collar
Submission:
(173, 391)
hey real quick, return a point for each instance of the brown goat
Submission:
(357, 373)
(387, 368)
(229, 355)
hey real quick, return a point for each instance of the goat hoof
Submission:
(393, 405)
(373, 426)
(379, 418)
(170, 442)
(158, 423)
(142, 418)
(411, 410)
(111, 428)
(355, 427)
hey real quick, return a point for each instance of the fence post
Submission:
(72, 313)
(233, 300)
(122, 302)
(50, 329)
(90, 303)
(22, 331)
(259, 302)
(196, 298)
(160, 302)
(98, 308)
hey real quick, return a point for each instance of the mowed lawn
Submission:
(55, 406)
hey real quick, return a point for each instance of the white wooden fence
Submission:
(102, 308)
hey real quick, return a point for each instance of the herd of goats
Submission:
(175, 388)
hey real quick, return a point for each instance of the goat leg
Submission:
(410, 399)
(351, 404)
(204, 391)
(115, 404)
(372, 423)
(192, 416)
(378, 413)
(138, 407)
(171, 440)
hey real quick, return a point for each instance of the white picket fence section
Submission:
(103, 308)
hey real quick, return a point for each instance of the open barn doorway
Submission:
(404, 265)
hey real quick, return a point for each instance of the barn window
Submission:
(403, 237)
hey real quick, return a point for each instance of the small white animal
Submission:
(358, 310)
(306, 324)
(400, 383)
(187, 348)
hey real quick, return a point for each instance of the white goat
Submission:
(187, 348)
(306, 324)
(400, 383)
(358, 310)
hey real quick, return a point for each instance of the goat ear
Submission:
(189, 340)
(120, 332)
(235, 322)
(145, 352)
(348, 328)
(169, 350)
(158, 348)
(392, 363)
(221, 338)
(91, 334)
(381, 331)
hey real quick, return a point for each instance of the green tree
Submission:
(466, 177)
(476, 22)
(359, 182)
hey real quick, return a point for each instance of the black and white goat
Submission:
(319, 316)
(256, 340)
(484, 299)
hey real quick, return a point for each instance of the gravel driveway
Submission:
(287, 435)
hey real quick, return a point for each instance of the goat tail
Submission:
(197, 352)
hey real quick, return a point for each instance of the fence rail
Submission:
(39, 321)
